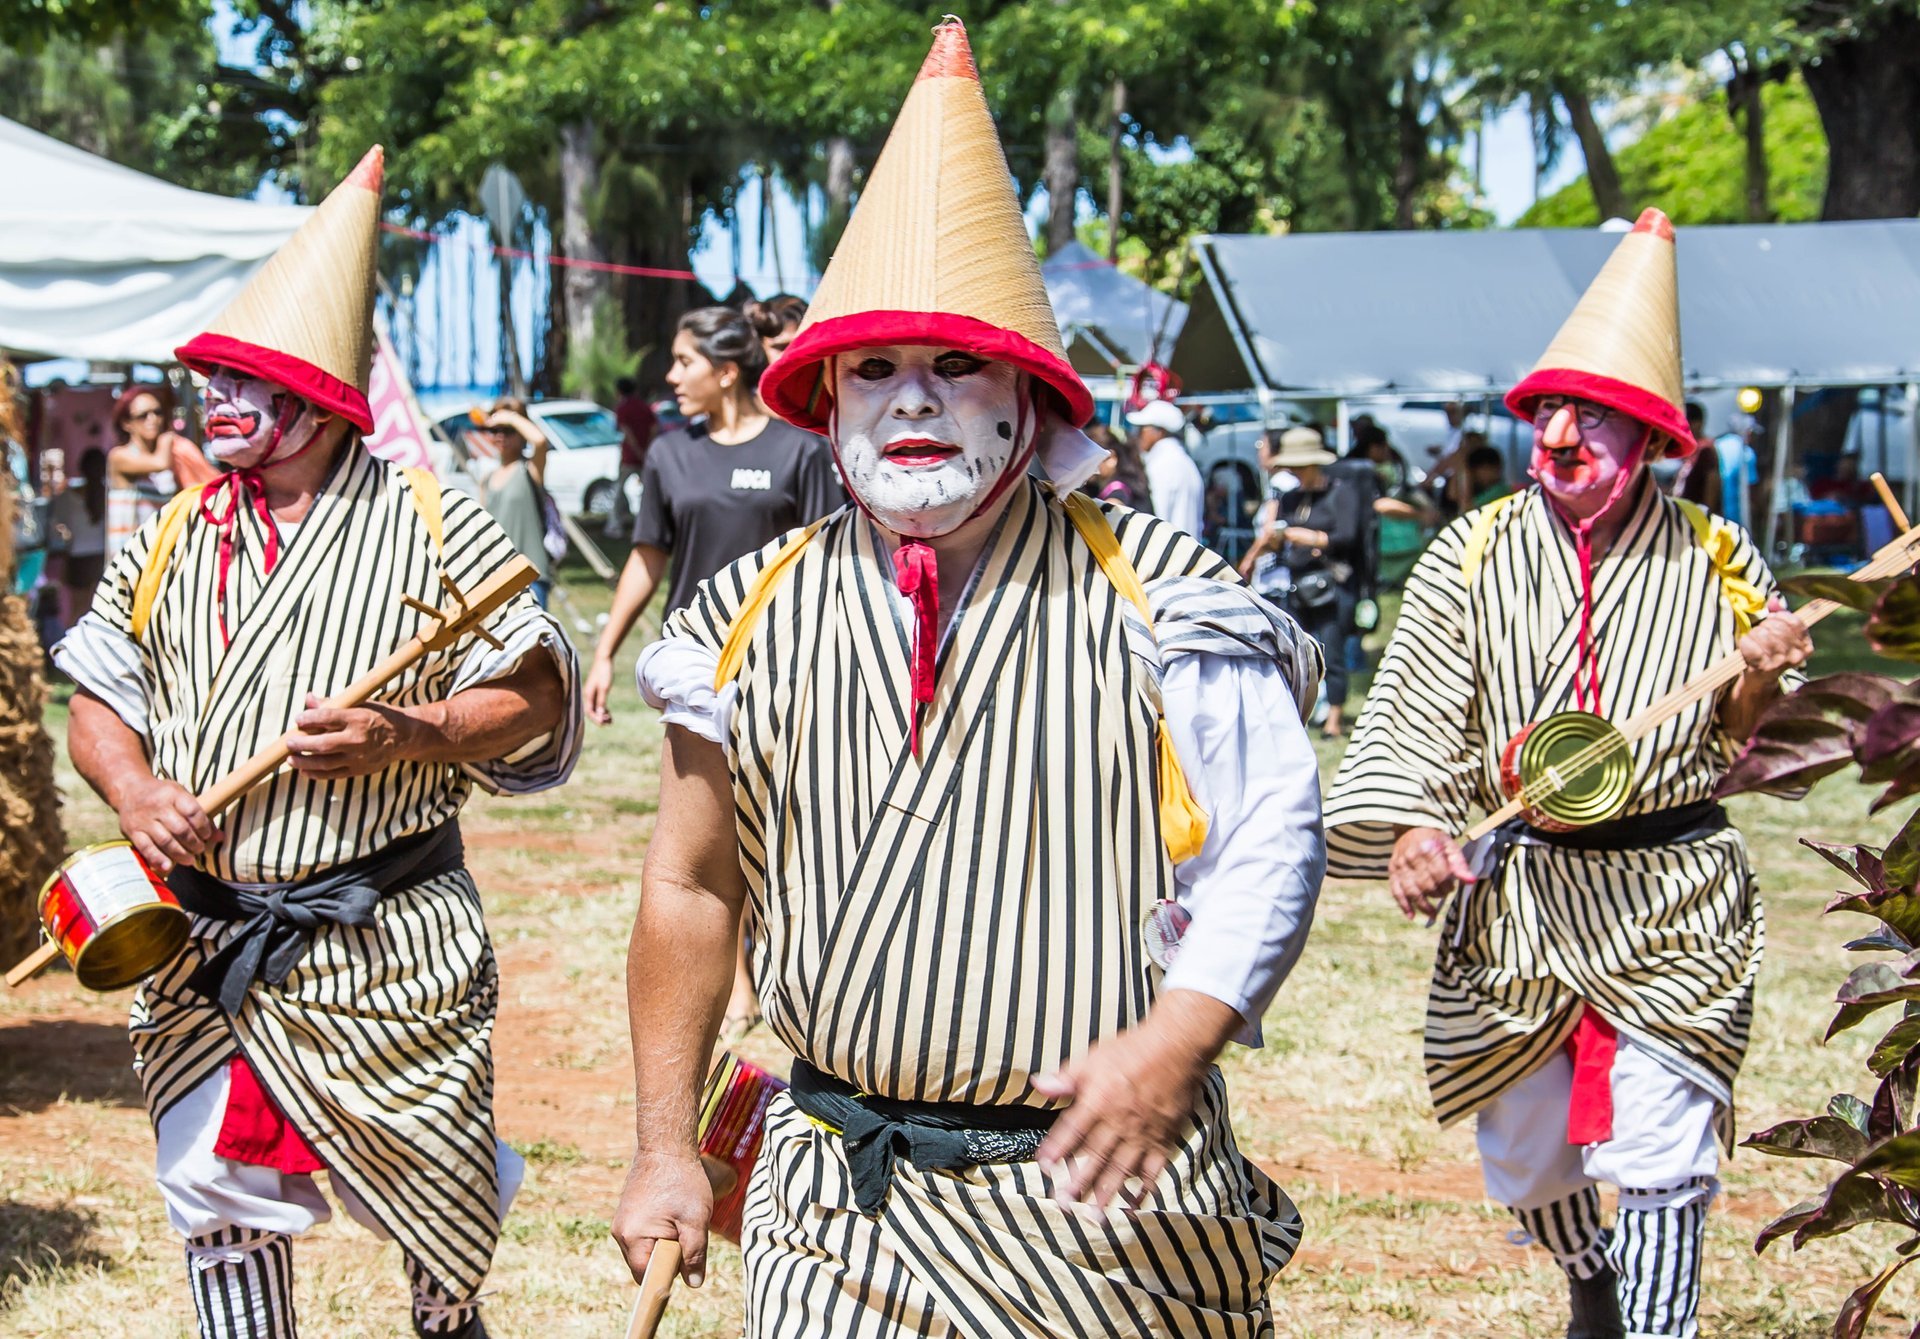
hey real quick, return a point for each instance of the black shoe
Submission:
(1596, 1307)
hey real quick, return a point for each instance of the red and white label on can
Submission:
(109, 881)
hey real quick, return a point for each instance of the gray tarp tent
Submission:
(1109, 319)
(1343, 315)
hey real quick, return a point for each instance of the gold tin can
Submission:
(112, 918)
(1579, 798)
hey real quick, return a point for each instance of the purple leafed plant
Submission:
(1873, 722)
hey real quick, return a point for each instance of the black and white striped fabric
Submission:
(945, 928)
(377, 1046)
(1571, 1230)
(1664, 942)
(242, 1284)
(1658, 1240)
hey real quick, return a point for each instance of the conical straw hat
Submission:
(1621, 346)
(305, 319)
(936, 252)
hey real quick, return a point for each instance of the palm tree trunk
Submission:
(1603, 178)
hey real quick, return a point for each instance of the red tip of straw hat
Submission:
(952, 55)
(1653, 221)
(371, 170)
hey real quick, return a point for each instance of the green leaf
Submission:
(1891, 1050)
(1849, 1109)
(1851, 1323)
(1884, 940)
(1868, 989)
(1822, 1137)
(1896, 1160)
(1789, 1221)
(1852, 1200)
(1902, 856)
(1838, 587)
(1893, 628)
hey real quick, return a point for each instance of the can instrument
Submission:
(112, 917)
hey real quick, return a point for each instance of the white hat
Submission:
(1162, 414)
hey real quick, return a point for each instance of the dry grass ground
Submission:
(1399, 1243)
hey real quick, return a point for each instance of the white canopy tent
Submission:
(101, 262)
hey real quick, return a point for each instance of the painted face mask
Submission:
(251, 423)
(924, 434)
(1584, 454)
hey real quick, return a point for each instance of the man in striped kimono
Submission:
(972, 753)
(1593, 988)
(333, 1007)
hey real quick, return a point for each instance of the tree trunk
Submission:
(1061, 172)
(579, 184)
(1867, 90)
(1410, 153)
(1749, 113)
(31, 842)
(839, 200)
(1116, 176)
(1603, 178)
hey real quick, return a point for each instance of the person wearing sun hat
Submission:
(333, 1006)
(1593, 989)
(1013, 789)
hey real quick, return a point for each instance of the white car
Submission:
(583, 455)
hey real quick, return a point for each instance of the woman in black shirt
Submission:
(1320, 532)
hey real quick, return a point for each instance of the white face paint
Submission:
(924, 433)
(242, 413)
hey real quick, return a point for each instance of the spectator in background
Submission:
(1698, 480)
(638, 424)
(1320, 533)
(1739, 468)
(514, 490)
(1179, 494)
(78, 517)
(1123, 475)
(139, 469)
(732, 481)
(777, 320)
(1844, 485)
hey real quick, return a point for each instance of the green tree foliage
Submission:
(1692, 165)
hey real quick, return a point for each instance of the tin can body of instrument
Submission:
(1541, 763)
(111, 917)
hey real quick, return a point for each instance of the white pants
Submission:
(1662, 1146)
(206, 1193)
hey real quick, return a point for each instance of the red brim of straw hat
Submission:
(1643, 405)
(205, 352)
(795, 387)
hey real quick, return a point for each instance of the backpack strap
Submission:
(173, 523)
(1183, 823)
(759, 595)
(422, 488)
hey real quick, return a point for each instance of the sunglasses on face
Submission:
(1588, 414)
(147, 414)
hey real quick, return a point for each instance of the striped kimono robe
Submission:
(1665, 942)
(945, 928)
(377, 1046)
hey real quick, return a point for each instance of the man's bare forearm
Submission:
(680, 959)
(105, 751)
(489, 720)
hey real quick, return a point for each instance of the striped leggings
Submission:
(1653, 1250)
(242, 1284)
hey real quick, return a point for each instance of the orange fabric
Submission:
(257, 1132)
(1590, 1107)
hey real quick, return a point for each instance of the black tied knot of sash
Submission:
(933, 1136)
(278, 923)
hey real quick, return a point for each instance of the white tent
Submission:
(102, 262)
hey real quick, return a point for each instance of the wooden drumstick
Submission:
(655, 1287)
(463, 613)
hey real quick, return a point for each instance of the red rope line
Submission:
(514, 253)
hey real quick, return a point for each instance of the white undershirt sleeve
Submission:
(1252, 888)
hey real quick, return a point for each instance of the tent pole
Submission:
(1910, 485)
(1782, 444)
